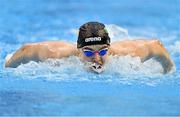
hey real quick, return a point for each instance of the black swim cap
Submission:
(92, 33)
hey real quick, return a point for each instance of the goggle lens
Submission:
(103, 52)
(90, 53)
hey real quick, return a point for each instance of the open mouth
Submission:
(95, 67)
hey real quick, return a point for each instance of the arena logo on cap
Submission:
(92, 39)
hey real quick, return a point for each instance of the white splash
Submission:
(127, 65)
(175, 48)
(116, 32)
(8, 56)
(73, 69)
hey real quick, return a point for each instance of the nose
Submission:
(97, 59)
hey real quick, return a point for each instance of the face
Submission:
(95, 55)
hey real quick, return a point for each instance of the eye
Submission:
(88, 53)
(103, 52)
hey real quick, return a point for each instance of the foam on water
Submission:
(175, 48)
(116, 32)
(118, 69)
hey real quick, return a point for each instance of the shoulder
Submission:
(126, 42)
(60, 46)
(54, 43)
(129, 46)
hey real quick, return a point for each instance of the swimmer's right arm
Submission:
(40, 52)
(23, 55)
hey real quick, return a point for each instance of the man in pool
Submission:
(93, 48)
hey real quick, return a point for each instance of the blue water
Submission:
(64, 87)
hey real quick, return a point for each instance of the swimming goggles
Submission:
(90, 53)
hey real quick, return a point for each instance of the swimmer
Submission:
(93, 48)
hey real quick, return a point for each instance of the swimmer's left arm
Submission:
(158, 51)
(145, 49)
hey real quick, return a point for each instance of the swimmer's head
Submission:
(92, 33)
(93, 44)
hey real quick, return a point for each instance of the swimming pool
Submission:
(63, 87)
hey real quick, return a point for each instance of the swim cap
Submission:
(92, 33)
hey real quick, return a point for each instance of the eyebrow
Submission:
(88, 48)
(103, 47)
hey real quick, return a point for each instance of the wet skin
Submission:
(145, 49)
(96, 58)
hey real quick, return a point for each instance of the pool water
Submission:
(63, 86)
